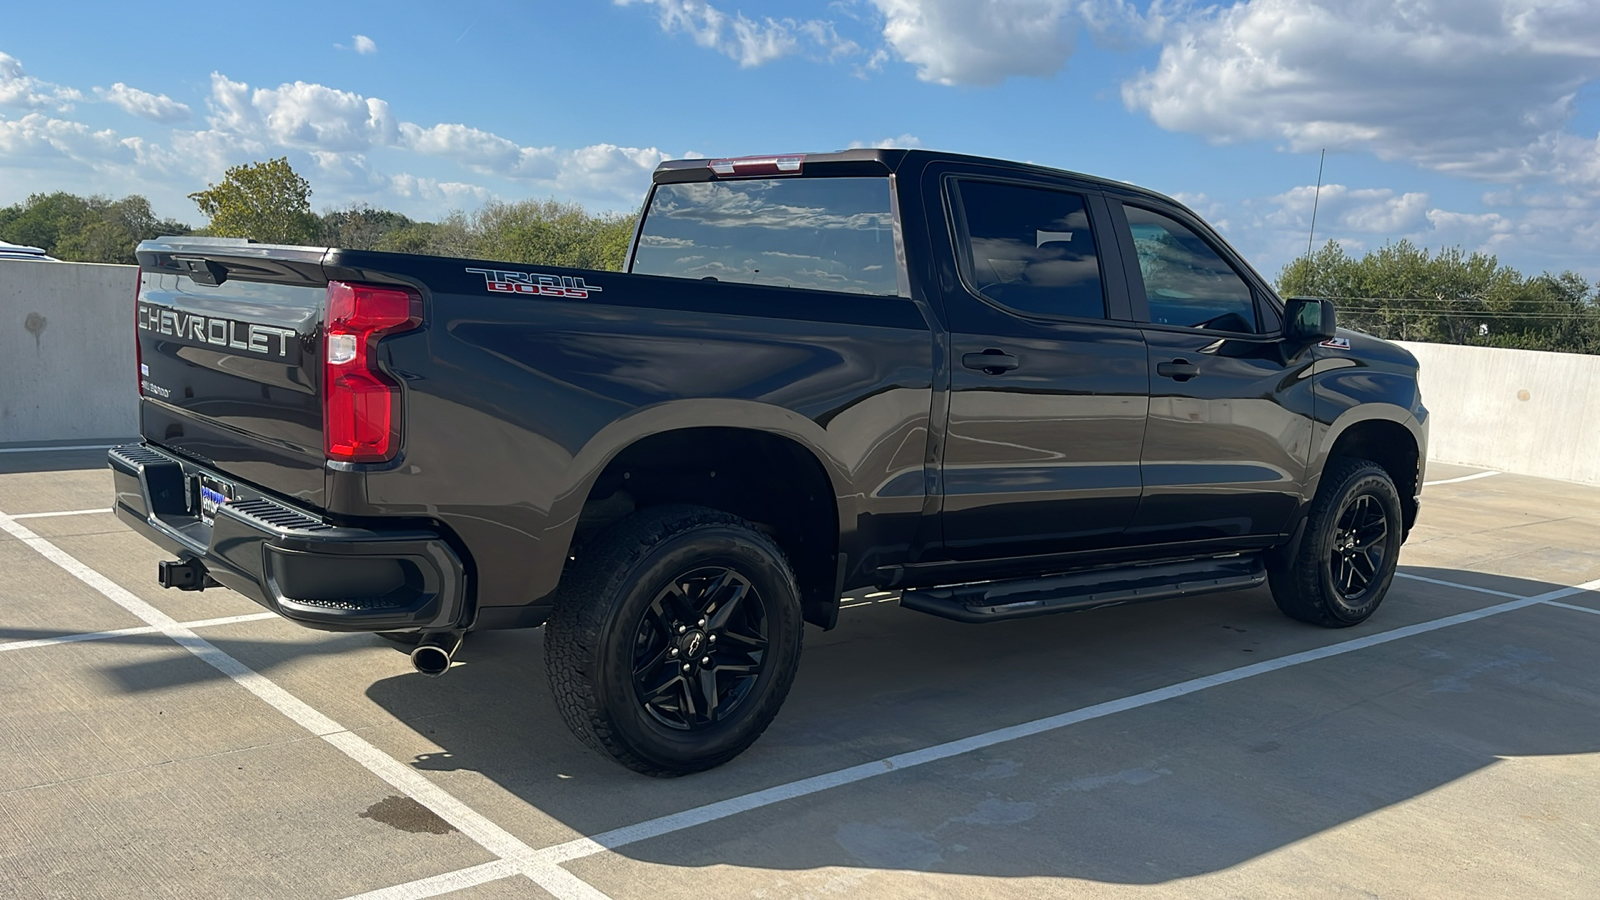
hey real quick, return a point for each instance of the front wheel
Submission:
(1347, 557)
(674, 639)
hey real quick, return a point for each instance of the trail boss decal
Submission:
(266, 340)
(505, 282)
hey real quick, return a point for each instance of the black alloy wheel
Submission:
(674, 638)
(700, 648)
(1341, 569)
(1360, 540)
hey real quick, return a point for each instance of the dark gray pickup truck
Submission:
(1000, 389)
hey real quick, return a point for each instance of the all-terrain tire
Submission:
(625, 590)
(1356, 500)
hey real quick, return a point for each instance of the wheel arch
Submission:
(1387, 435)
(660, 456)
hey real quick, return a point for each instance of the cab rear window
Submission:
(828, 234)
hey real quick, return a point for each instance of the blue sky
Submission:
(1449, 122)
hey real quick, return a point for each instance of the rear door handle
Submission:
(992, 362)
(1178, 369)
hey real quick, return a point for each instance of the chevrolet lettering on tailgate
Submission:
(216, 331)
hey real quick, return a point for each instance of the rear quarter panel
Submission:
(516, 403)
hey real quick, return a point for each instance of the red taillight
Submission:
(361, 404)
(138, 345)
(748, 166)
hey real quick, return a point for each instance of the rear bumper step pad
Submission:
(325, 576)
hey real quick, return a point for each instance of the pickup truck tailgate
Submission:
(229, 371)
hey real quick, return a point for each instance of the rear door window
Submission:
(1186, 281)
(827, 234)
(1030, 249)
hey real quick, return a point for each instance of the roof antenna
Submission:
(1314, 201)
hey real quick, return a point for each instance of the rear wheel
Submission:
(674, 639)
(1349, 551)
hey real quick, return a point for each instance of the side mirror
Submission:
(1309, 319)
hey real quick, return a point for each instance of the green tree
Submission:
(361, 227)
(44, 219)
(85, 229)
(1406, 292)
(548, 232)
(264, 201)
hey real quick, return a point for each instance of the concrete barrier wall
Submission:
(67, 373)
(1520, 411)
(67, 369)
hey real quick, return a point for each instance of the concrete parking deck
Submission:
(155, 743)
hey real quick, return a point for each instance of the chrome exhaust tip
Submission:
(434, 652)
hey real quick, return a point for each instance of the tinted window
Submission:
(1187, 282)
(1031, 249)
(831, 234)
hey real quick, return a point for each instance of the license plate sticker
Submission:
(213, 493)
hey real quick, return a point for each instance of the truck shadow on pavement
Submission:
(1179, 788)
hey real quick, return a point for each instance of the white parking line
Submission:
(1473, 477)
(1457, 584)
(549, 876)
(711, 812)
(69, 512)
(544, 866)
(610, 840)
(1593, 612)
(128, 632)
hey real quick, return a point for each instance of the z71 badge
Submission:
(506, 282)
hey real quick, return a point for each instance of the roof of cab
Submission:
(882, 161)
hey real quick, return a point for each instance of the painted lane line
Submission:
(1464, 587)
(711, 812)
(583, 847)
(448, 883)
(1473, 477)
(1563, 593)
(48, 449)
(1594, 612)
(50, 515)
(128, 632)
(558, 882)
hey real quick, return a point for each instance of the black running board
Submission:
(992, 601)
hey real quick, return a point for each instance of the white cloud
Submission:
(744, 40)
(1364, 210)
(145, 105)
(903, 142)
(454, 193)
(336, 127)
(1481, 89)
(17, 88)
(957, 42)
(364, 45)
(961, 42)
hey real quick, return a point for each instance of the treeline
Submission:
(1404, 292)
(84, 229)
(536, 232)
(271, 203)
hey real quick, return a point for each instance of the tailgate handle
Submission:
(203, 271)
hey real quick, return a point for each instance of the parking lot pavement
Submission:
(1208, 747)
